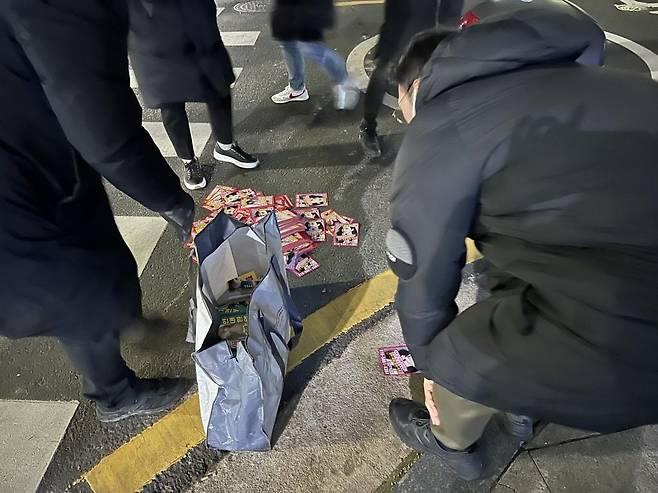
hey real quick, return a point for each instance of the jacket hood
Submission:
(501, 44)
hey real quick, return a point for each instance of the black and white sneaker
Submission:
(194, 179)
(236, 156)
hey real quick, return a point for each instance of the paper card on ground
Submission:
(396, 361)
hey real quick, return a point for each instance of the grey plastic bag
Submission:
(239, 395)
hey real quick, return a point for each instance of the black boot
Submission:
(411, 423)
(369, 140)
(151, 396)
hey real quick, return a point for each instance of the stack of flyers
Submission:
(310, 213)
(396, 361)
(346, 235)
(312, 200)
(216, 198)
(242, 215)
(298, 243)
(331, 217)
(302, 264)
(258, 214)
(257, 202)
(235, 197)
(282, 202)
(289, 223)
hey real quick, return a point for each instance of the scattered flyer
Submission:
(316, 230)
(331, 217)
(396, 361)
(302, 265)
(310, 214)
(257, 202)
(303, 223)
(346, 235)
(236, 196)
(282, 202)
(258, 214)
(311, 200)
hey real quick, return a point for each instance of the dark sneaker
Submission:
(236, 156)
(154, 396)
(369, 142)
(411, 423)
(194, 178)
(521, 427)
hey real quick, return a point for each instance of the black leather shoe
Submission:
(154, 396)
(521, 427)
(411, 423)
(369, 142)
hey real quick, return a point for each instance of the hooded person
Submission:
(70, 117)
(178, 56)
(539, 160)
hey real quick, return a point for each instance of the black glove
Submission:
(181, 217)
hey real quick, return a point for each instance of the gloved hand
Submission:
(181, 217)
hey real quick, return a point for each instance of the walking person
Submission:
(298, 25)
(402, 20)
(534, 156)
(70, 117)
(178, 56)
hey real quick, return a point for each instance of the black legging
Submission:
(374, 97)
(177, 125)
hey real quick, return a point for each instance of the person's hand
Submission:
(430, 404)
(181, 217)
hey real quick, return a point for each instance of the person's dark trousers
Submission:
(106, 378)
(375, 92)
(174, 119)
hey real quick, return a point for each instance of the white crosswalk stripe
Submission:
(141, 234)
(240, 38)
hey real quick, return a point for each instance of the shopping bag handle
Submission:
(293, 313)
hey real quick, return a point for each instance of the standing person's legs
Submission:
(294, 63)
(373, 102)
(221, 121)
(375, 94)
(174, 119)
(327, 58)
(296, 89)
(346, 94)
(462, 421)
(106, 379)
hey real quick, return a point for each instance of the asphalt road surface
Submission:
(303, 147)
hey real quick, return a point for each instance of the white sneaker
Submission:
(288, 96)
(346, 95)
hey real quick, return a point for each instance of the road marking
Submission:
(220, 10)
(200, 134)
(358, 2)
(636, 3)
(137, 462)
(141, 234)
(30, 432)
(649, 58)
(240, 38)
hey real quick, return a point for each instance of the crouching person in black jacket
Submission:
(535, 157)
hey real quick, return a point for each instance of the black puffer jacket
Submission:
(301, 20)
(68, 117)
(554, 176)
(176, 51)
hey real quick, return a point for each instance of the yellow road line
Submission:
(352, 3)
(133, 465)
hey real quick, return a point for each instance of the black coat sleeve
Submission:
(435, 197)
(79, 51)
